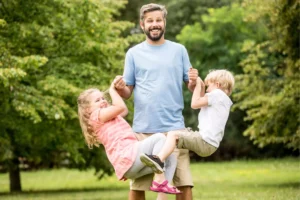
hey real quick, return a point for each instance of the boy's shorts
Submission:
(182, 176)
(193, 141)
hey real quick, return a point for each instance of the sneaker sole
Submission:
(150, 163)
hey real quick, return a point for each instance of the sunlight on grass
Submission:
(240, 180)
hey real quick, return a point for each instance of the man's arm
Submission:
(125, 92)
(190, 85)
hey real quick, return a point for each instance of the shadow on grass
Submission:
(61, 191)
(294, 185)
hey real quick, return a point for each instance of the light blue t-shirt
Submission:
(157, 74)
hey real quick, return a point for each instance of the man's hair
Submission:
(152, 7)
(223, 77)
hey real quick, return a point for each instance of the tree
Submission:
(218, 41)
(268, 89)
(50, 51)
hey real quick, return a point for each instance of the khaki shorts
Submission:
(182, 176)
(193, 141)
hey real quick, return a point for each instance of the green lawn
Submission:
(236, 180)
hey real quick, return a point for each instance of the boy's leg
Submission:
(193, 141)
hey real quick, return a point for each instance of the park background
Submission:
(51, 50)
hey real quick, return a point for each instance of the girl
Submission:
(102, 123)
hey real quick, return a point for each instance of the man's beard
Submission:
(154, 38)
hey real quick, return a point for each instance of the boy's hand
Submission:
(119, 83)
(200, 82)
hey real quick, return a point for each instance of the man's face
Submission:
(154, 25)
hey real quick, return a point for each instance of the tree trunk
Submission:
(14, 176)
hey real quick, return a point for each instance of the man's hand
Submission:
(119, 82)
(193, 75)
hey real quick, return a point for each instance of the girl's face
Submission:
(212, 86)
(98, 101)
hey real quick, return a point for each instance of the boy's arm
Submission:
(118, 107)
(199, 99)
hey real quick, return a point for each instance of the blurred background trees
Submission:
(268, 88)
(52, 50)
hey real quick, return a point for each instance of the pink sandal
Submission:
(163, 187)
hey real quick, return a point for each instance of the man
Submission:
(155, 70)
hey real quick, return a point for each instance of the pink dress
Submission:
(118, 140)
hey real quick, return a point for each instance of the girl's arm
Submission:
(199, 99)
(118, 107)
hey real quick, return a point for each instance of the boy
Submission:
(215, 107)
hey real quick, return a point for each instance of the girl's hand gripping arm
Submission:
(124, 90)
(118, 106)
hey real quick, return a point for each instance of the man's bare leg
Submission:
(186, 193)
(136, 195)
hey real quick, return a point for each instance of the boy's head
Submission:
(222, 78)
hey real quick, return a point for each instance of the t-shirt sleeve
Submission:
(94, 118)
(186, 63)
(129, 68)
(217, 97)
(212, 97)
(95, 115)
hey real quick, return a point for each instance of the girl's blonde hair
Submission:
(84, 113)
(223, 77)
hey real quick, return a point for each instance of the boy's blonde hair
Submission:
(152, 7)
(223, 77)
(84, 114)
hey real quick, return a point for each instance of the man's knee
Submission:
(186, 193)
(136, 195)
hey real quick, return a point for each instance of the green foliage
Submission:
(268, 89)
(50, 51)
(218, 41)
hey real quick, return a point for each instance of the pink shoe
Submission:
(164, 187)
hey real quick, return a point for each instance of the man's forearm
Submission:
(191, 86)
(125, 92)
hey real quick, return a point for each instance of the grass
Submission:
(237, 180)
